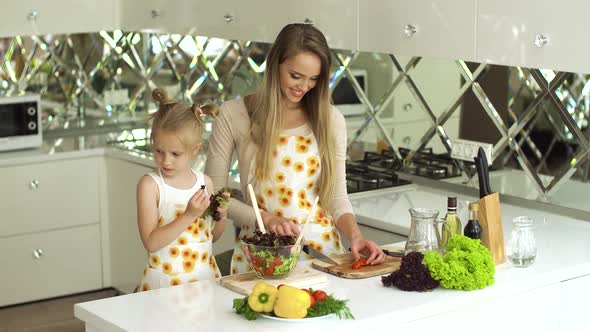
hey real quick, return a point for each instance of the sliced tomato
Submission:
(278, 261)
(359, 263)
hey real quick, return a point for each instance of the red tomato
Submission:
(311, 298)
(359, 263)
(320, 295)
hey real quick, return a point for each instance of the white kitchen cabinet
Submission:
(533, 33)
(127, 254)
(48, 264)
(429, 28)
(261, 20)
(37, 17)
(177, 16)
(49, 195)
(337, 19)
(256, 20)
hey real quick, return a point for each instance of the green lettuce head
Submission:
(467, 265)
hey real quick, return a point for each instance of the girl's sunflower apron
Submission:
(290, 193)
(189, 258)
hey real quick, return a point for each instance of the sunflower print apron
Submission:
(189, 258)
(290, 193)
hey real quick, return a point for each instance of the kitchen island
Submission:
(547, 296)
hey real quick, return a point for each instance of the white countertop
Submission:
(564, 253)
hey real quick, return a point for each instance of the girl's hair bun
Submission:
(161, 97)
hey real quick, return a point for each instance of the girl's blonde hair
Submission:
(184, 120)
(264, 107)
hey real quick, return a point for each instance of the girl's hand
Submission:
(279, 225)
(369, 249)
(197, 204)
(222, 211)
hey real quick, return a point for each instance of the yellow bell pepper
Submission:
(292, 302)
(263, 297)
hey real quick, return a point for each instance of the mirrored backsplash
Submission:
(410, 108)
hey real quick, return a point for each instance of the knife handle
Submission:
(486, 172)
(480, 177)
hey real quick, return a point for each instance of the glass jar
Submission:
(522, 247)
(424, 234)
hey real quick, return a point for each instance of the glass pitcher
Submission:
(522, 248)
(424, 233)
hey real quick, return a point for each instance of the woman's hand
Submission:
(197, 204)
(278, 225)
(368, 248)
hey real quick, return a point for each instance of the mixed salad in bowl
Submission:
(270, 255)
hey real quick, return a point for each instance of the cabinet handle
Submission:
(155, 13)
(308, 21)
(34, 184)
(407, 107)
(541, 40)
(228, 18)
(37, 253)
(32, 16)
(409, 30)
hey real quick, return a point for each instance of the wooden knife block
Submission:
(490, 219)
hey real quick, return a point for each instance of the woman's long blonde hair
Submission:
(265, 107)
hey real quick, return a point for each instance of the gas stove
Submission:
(374, 171)
(432, 165)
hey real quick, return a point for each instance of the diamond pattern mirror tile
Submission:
(411, 104)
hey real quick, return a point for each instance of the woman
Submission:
(291, 146)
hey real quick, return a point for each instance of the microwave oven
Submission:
(20, 122)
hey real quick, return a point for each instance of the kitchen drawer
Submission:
(49, 195)
(257, 20)
(44, 265)
(337, 19)
(443, 29)
(507, 31)
(58, 16)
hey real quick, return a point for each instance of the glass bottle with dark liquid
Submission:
(473, 228)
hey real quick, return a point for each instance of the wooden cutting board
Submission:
(301, 277)
(344, 267)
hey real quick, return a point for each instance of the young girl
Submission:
(291, 146)
(172, 199)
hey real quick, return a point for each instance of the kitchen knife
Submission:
(393, 253)
(484, 167)
(318, 255)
